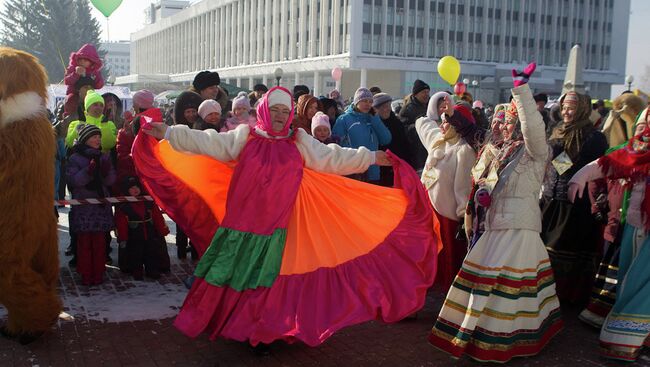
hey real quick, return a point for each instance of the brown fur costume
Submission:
(29, 264)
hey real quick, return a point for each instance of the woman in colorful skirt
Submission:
(446, 178)
(503, 303)
(627, 326)
(295, 252)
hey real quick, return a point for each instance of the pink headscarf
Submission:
(264, 114)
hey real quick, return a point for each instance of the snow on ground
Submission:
(120, 298)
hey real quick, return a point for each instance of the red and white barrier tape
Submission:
(111, 200)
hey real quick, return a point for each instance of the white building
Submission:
(388, 43)
(118, 57)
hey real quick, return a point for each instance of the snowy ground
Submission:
(120, 298)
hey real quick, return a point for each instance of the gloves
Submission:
(521, 78)
(92, 167)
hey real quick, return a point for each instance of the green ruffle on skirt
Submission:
(242, 260)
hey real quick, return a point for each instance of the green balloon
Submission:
(106, 7)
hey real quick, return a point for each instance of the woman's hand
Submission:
(575, 189)
(155, 129)
(382, 159)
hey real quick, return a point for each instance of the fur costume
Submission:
(619, 126)
(29, 264)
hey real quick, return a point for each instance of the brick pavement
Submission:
(92, 339)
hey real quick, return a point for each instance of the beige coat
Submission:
(516, 206)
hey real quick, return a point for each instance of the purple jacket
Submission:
(94, 217)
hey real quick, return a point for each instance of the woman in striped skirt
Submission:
(503, 303)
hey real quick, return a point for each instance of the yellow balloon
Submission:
(449, 69)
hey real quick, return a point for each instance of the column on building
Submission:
(316, 83)
(313, 11)
(364, 78)
(302, 30)
(336, 21)
(283, 30)
(260, 31)
(268, 31)
(293, 18)
(296, 76)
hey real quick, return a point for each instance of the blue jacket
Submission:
(358, 129)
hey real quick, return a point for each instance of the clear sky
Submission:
(129, 17)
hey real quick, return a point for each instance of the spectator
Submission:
(186, 108)
(298, 91)
(541, 99)
(338, 98)
(258, 92)
(210, 115)
(358, 128)
(415, 107)
(305, 110)
(374, 90)
(241, 113)
(85, 63)
(141, 232)
(381, 103)
(113, 109)
(90, 173)
(206, 84)
(330, 108)
(94, 107)
(320, 129)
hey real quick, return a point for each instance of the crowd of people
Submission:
(538, 206)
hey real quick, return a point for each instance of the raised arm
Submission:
(532, 123)
(333, 158)
(224, 147)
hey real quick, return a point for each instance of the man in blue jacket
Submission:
(358, 128)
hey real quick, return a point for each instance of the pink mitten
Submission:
(521, 78)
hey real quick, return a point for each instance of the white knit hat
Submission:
(320, 119)
(241, 101)
(278, 96)
(209, 106)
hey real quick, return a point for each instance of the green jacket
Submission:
(109, 132)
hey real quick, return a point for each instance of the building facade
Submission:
(388, 43)
(118, 57)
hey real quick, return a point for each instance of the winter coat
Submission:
(89, 52)
(147, 211)
(300, 119)
(399, 144)
(83, 185)
(409, 114)
(233, 122)
(516, 206)
(451, 164)
(109, 132)
(358, 129)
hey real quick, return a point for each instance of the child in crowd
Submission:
(320, 129)
(89, 174)
(141, 232)
(210, 114)
(83, 63)
(241, 109)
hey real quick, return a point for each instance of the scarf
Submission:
(572, 134)
(631, 164)
(97, 182)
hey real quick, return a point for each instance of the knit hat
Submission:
(500, 112)
(380, 98)
(92, 97)
(87, 132)
(241, 101)
(360, 95)
(278, 96)
(205, 79)
(434, 101)
(571, 98)
(143, 99)
(419, 86)
(209, 106)
(320, 119)
(511, 111)
(299, 90)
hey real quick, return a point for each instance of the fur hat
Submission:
(434, 101)
(299, 90)
(320, 119)
(86, 132)
(143, 99)
(375, 90)
(419, 86)
(360, 95)
(380, 98)
(205, 79)
(260, 87)
(184, 101)
(92, 97)
(241, 101)
(209, 106)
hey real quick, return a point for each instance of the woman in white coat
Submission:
(503, 303)
(446, 176)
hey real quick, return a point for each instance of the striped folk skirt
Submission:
(628, 324)
(603, 293)
(502, 303)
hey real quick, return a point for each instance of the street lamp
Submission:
(278, 75)
(475, 85)
(629, 79)
(466, 81)
(111, 80)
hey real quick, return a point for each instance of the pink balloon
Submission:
(460, 88)
(337, 73)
